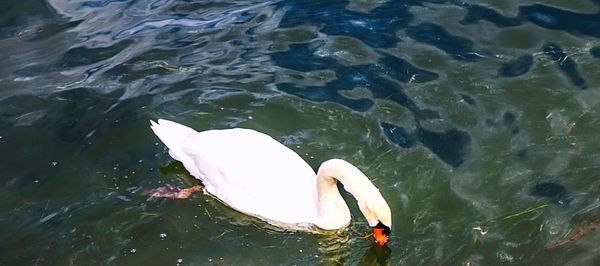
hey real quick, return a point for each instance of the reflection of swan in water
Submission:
(254, 174)
(337, 250)
(376, 255)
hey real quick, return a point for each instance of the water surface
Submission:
(465, 114)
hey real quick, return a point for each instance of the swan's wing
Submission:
(254, 174)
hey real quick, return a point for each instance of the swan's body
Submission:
(256, 175)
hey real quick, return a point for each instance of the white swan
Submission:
(256, 175)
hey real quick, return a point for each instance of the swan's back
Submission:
(246, 169)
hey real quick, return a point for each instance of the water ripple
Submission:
(459, 112)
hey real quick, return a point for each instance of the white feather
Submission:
(255, 174)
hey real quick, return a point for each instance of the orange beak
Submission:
(380, 237)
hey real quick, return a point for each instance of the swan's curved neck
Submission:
(333, 210)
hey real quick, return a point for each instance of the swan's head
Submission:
(370, 201)
(378, 215)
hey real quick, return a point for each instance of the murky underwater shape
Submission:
(477, 120)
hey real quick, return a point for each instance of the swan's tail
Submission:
(172, 135)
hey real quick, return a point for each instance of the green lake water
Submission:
(466, 115)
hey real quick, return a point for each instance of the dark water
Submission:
(465, 114)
